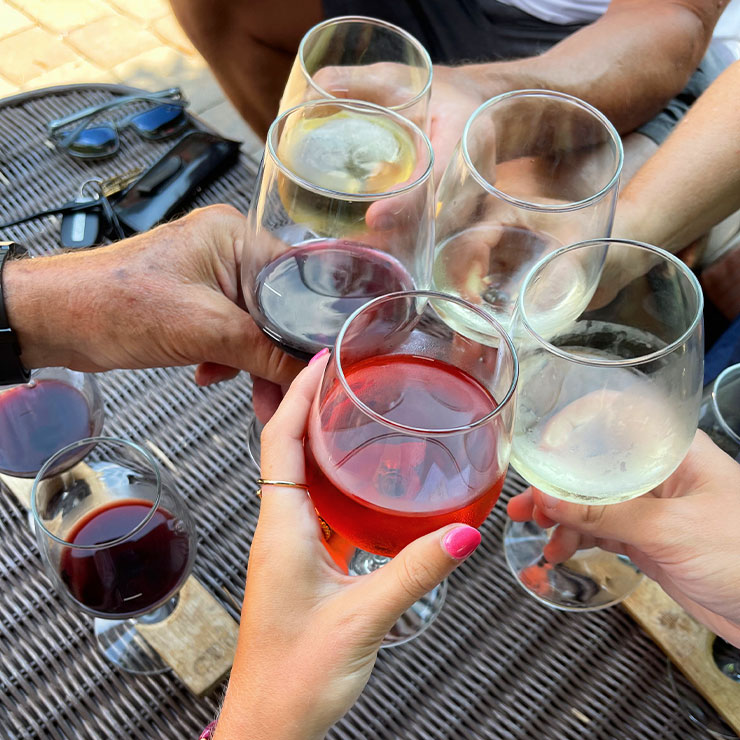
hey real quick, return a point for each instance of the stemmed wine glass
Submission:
(534, 170)
(55, 407)
(410, 430)
(364, 59)
(116, 541)
(609, 336)
(342, 213)
(719, 416)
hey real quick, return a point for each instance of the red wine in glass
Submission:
(380, 488)
(133, 576)
(304, 296)
(36, 420)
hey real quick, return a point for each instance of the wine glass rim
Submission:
(93, 441)
(545, 207)
(715, 404)
(411, 39)
(596, 362)
(328, 192)
(421, 431)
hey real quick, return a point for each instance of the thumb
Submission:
(638, 522)
(415, 571)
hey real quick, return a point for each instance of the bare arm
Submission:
(628, 63)
(693, 181)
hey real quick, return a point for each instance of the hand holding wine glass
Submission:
(683, 533)
(310, 634)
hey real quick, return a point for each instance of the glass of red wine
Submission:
(54, 408)
(342, 213)
(410, 429)
(116, 541)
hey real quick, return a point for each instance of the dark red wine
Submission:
(38, 419)
(134, 576)
(379, 488)
(305, 295)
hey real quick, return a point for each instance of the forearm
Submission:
(693, 181)
(627, 64)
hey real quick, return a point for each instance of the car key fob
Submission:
(81, 228)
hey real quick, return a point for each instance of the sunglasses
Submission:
(94, 141)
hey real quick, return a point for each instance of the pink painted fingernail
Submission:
(461, 541)
(319, 355)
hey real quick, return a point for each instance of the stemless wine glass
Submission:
(608, 398)
(365, 59)
(342, 213)
(55, 407)
(116, 541)
(410, 430)
(534, 170)
(719, 416)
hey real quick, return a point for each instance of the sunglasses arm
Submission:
(53, 126)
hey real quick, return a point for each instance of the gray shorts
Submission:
(459, 31)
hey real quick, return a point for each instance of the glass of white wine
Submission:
(609, 393)
(535, 170)
(365, 59)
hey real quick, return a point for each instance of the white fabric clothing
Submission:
(562, 12)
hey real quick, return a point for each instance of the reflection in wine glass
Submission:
(608, 403)
(410, 430)
(54, 408)
(534, 170)
(364, 59)
(116, 541)
(720, 411)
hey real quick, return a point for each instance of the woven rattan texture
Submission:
(495, 665)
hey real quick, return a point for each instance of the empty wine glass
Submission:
(720, 411)
(609, 336)
(534, 170)
(54, 408)
(342, 213)
(116, 540)
(410, 430)
(364, 59)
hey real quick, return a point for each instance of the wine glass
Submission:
(342, 213)
(410, 430)
(55, 407)
(365, 59)
(534, 170)
(719, 416)
(116, 540)
(609, 336)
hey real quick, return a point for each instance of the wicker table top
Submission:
(496, 664)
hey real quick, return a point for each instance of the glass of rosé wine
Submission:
(410, 429)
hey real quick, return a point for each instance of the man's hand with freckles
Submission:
(168, 297)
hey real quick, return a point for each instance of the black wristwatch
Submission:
(11, 367)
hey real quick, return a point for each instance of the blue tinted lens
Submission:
(98, 141)
(160, 122)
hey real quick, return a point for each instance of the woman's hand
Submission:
(310, 634)
(684, 534)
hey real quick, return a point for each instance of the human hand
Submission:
(683, 534)
(168, 297)
(310, 634)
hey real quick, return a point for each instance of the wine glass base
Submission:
(418, 618)
(414, 620)
(123, 646)
(591, 580)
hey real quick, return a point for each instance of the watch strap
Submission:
(11, 367)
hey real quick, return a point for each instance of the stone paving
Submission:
(136, 42)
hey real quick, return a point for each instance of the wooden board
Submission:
(198, 640)
(688, 644)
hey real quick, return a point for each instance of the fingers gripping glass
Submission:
(89, 140)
